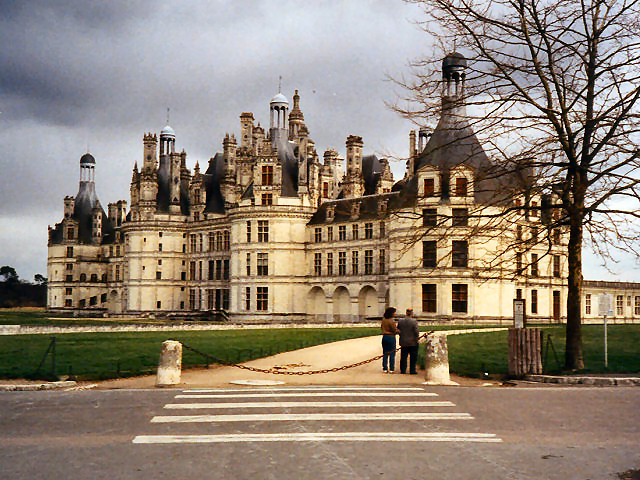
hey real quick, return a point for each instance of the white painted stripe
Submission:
(322, 437)
(301, 389)
(309, 394)
(285, 417)
(307, 404)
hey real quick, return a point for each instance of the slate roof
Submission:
(215, 202)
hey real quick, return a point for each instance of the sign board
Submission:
(519, 313)
(605, 305)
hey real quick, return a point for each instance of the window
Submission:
(329, 263)
(519, 232)
(354, 231)
(225, 299)
(158, 304)
(629, 301)
(636, 309)
(70, 233)
(428, 187)
(587, 304)
(317, 234)
(248, 264)
(342, 232)
(534, 265)
(429, 297)
(383, 261)
(117, 275)
(117, 250)
(103, 298)
(461, 187)
(330, 234)
(247, 298)
(212, 241)
(342, 263)
(183, 275)
(534, 209)
(325, 190)
(459, 253)
(266, 199)
(518, 264)
(158, 275)
(518, 293)
(159, 247)
(68, 278)
(68, 302)
(82, 303)
(262, 298)
(159, 261)
(225, 269)
(192, 243)
(263, 230)
(263, 264)
(69, 251)
(248, 231)
(219, 269)
(192, 270)
(227, 240)
(619, 304)
(192, 299)
(68, 291)
(534, 234)
(368, 262)
(556, 237)
(200, 242)
(429, 217)
(196, 195)
(317, 264)
(556, 266)
(429, 250)
(534, 301)
(267, 175)
(200, 270)
(83, 277)
(211, 269)
(459, 298)
(354, 262)
(210, 299)
(460, 217)
(368, 231)
(160, 234)
(219, 243)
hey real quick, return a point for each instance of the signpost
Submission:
(519, 313)
(605, 308)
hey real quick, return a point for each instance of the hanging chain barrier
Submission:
(279, 371)
(51, 350)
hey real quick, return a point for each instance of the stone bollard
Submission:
(436, 368)
(170, 365)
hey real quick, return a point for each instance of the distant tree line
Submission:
(15, 292)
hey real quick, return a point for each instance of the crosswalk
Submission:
(354, 414)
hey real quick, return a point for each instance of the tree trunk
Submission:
(573, 359)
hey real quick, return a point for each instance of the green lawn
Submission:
(41, 318)
(110, 355)
(471, 355)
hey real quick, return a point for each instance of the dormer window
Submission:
(267, 175)
(461, 187)
(429, 187)
(355, 209)
(331, 210)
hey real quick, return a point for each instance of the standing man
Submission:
(408, 328)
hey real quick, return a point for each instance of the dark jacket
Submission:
(408, 328)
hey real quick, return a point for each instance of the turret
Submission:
(246, 130)
(296, 119)
(167, 140)
(150, 143)
(354, 154)
(96, 224)
(229, 146)
(453, 92)
(69, 204)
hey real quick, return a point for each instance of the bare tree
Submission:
(553, 87)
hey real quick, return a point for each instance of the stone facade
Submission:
(270, 233)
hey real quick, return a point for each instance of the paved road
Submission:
(321, 432)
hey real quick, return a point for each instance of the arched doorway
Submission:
(114, 304)
(368, 303)
(341, 304)
(317, 304)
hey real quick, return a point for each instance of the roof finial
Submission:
(280, 84)
(454, 44)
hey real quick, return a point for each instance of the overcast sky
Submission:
(80, 75)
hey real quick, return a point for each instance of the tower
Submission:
(453, 92)
(354, 154)
(246, 130)
(296, 118)
(279, 109)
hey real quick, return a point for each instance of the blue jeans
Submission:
(389, 352)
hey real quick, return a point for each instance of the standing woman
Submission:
(389, 331)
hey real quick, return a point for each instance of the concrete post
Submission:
(437, 360)
(170, 365)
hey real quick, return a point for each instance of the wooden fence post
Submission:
(525, 351)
